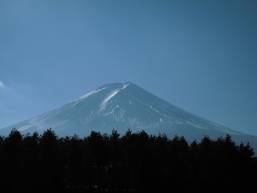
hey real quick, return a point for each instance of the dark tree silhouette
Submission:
(134, 162)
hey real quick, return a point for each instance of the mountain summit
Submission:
(124, 106)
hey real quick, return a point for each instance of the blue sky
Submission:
(199, 55)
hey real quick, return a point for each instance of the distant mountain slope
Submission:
(125, 106)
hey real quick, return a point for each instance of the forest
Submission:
(133, 162)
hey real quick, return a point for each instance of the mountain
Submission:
(125, 106)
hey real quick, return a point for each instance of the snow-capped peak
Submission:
(122, 106)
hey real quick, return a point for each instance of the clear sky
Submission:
(198, 55)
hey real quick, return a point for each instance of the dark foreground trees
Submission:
(130, 163)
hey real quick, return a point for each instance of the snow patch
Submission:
(91, 93)
(112, 111)
(112, 94)
(154, 109)
(157, 111)
(108, 98)
(125, 86)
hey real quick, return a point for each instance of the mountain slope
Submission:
(124, 106)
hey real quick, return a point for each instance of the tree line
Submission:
(134, 162)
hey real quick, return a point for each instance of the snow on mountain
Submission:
(91, 93)
(124, 106)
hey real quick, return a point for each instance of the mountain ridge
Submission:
(125, 106)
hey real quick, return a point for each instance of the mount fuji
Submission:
(125, 106)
